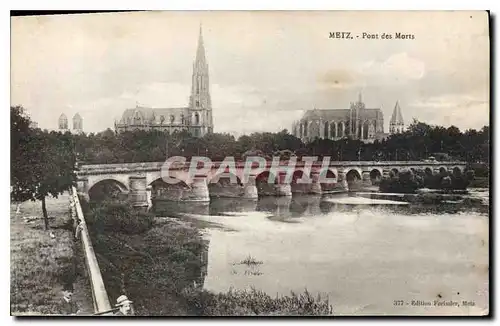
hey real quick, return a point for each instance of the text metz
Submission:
(340, 35)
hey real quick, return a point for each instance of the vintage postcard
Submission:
(250, 163)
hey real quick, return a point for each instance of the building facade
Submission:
(196, 118)
(357, 122)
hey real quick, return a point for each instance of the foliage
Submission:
(152, 264)
(419, 142)
(118, 217)
(253, 302)
(409, 182)
(42, 162)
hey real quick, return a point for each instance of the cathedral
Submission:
(357, 122)
(195, 118)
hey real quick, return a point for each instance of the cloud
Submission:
(399, 66)
(463, 110)
(264, 67)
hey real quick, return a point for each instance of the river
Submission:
(368, 256)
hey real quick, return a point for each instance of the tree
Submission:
(42, 163)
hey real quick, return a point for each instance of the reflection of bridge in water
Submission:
(290, 208)
(279, 208)
(142, 182)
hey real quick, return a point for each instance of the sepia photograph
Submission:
(250, 163)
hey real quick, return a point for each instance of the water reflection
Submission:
(288, 208)
(221, 206)
(177, 208)
(362, 255)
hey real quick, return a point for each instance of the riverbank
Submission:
(40, 264)
(160, 264)
(482, 182)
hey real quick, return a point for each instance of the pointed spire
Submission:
(360, 97)
(200, 53)
(397, 117)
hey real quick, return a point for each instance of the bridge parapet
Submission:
(157, 166)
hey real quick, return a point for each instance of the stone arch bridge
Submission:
(141, 182)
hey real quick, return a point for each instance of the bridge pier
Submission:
(367, 181)
(282, 188)
(82, 188)
(250, 188)
(283, 207)
(315, 185)
(149, 199)
(199, 189)
(313, 205)
(343, 181)
(138, 195)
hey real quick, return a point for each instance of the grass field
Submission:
(40, 265)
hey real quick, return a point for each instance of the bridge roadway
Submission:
(143, 181)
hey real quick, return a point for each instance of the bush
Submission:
(118, 217)
(253, 302)
(407, 182)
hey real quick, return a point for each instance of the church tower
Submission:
(77, 123)
(63, 123)
(396, 124)
(200, 104)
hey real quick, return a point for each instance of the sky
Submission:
(266, 68)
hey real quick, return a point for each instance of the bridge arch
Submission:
(216, 178)
(457, 171)
(329, 173)
(161, 182)
(165, 191)
(264, 186)
(376, 175)
(120, 180)
(297, 187)
(353, 174)
(228, 185)
(107, 189)
(428, 170)
(298, 174)
(443, 170)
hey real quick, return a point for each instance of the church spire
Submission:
(397, 123)
(397, 117)
(199, 100)
(200, 52)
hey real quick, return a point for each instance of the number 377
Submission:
(398, 302)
